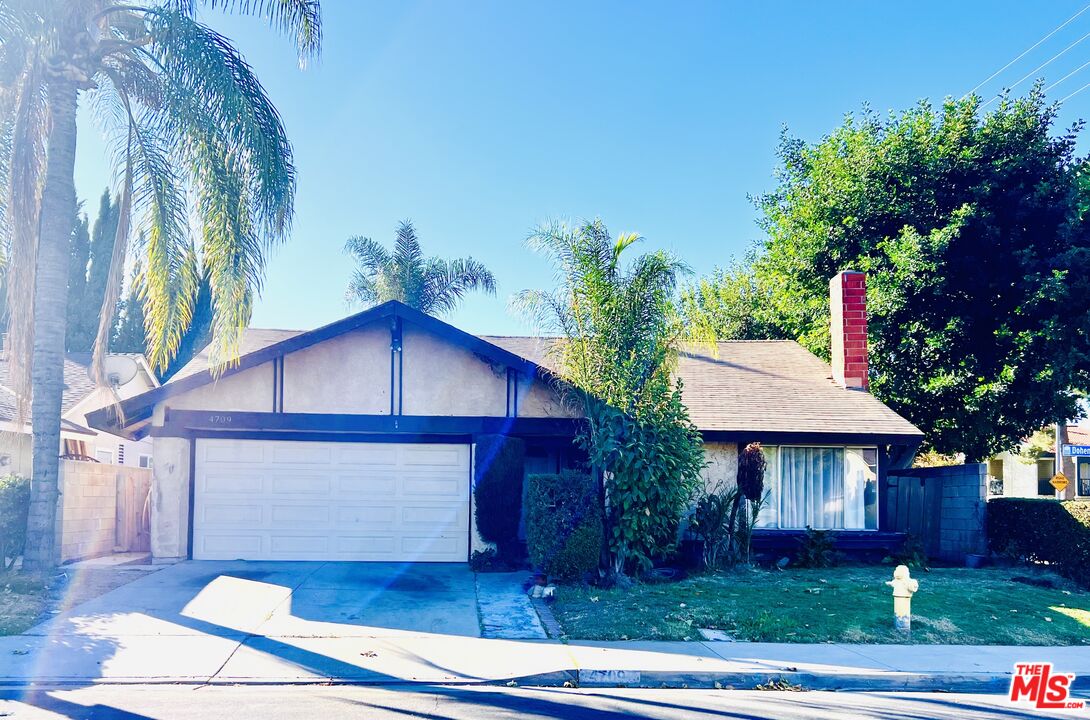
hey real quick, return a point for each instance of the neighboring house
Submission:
(1012, 475)
(78, 440)
(355, 441)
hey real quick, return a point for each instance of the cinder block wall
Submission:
(964, 501)
(87, 508)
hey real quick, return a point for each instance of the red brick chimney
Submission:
(848, 315)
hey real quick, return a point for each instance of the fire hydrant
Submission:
(903, 588)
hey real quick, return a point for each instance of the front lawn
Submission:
(23, 599)
(849, 604)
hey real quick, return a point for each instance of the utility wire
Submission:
(1025, 52)
(1035, 70)
(1087, 85)
(1080, 67)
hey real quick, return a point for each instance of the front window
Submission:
(826, 488)
(1084, 478)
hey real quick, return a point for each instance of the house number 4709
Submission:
(219, 419)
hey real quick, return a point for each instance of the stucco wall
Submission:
(538, 398)
(15, 453)
(349, 373)
(721, 472)
(247, 391)
(170, 499)
(440, 378)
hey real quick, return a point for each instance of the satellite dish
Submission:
(118, 369)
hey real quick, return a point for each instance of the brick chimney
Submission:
(848, 320)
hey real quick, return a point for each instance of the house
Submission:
(78, 440)
(1013, 475)
(355, 441)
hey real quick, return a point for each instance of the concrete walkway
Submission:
(312, 623)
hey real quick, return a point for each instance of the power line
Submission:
(1025, 52)
(1087, 85)
(1034, 71)
(1080, 67)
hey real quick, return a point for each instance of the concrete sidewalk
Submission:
(215, 657)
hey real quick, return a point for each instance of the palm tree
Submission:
(194, 134)
(429, 284)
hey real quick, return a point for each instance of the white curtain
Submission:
(811, 488)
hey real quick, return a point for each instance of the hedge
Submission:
(14, 505)
(499, 466)
(564, 531)
(1043, 530)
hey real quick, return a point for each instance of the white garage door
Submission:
(280, 500)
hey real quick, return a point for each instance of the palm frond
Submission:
(170, 277)
(299, 19)
(212, 97)
(447, 281)
(369, 254)
(29, 124)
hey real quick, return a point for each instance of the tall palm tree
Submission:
(193, 134)
(429, 284)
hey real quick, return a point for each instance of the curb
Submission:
(973, 683)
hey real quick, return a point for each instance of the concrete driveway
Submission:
(276, 620)
(296, 599)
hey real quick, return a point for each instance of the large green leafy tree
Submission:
(429, 284)
(971, 227)
(195, 136)
(621, 336)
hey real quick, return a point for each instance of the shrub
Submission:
(563, 524)
(499, 468)
(817, 549)
(710, 522)
(1043, 530)
(14, 505)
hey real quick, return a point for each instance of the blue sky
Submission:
(479, 120)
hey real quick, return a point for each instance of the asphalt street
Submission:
(488, 703)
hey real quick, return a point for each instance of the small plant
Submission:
(487, 560)
(710, 522)
(14, 505)
(743, 515)
(817, 549)
(912, 554)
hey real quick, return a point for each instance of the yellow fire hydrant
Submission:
(903, 588)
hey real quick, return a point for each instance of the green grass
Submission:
(23, 599)
(848, 604)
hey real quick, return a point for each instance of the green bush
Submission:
(817, 549)
(564, 524)
(14, 505)
(499, 467)
(1043, 530)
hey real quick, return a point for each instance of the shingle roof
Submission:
(253, 339)
(747, 386)
(77, 386)
(758, 386)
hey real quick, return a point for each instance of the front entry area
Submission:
(301, 500)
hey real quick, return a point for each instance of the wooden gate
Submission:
(914, 506)
(133, 510)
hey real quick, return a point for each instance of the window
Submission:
(1084, 478)
(145, 461)
(995, 476)
(1046, 468)
(104, 456)
(821, 487)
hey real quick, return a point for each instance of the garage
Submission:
(301, 500)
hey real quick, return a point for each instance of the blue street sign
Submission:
(1076, 450)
